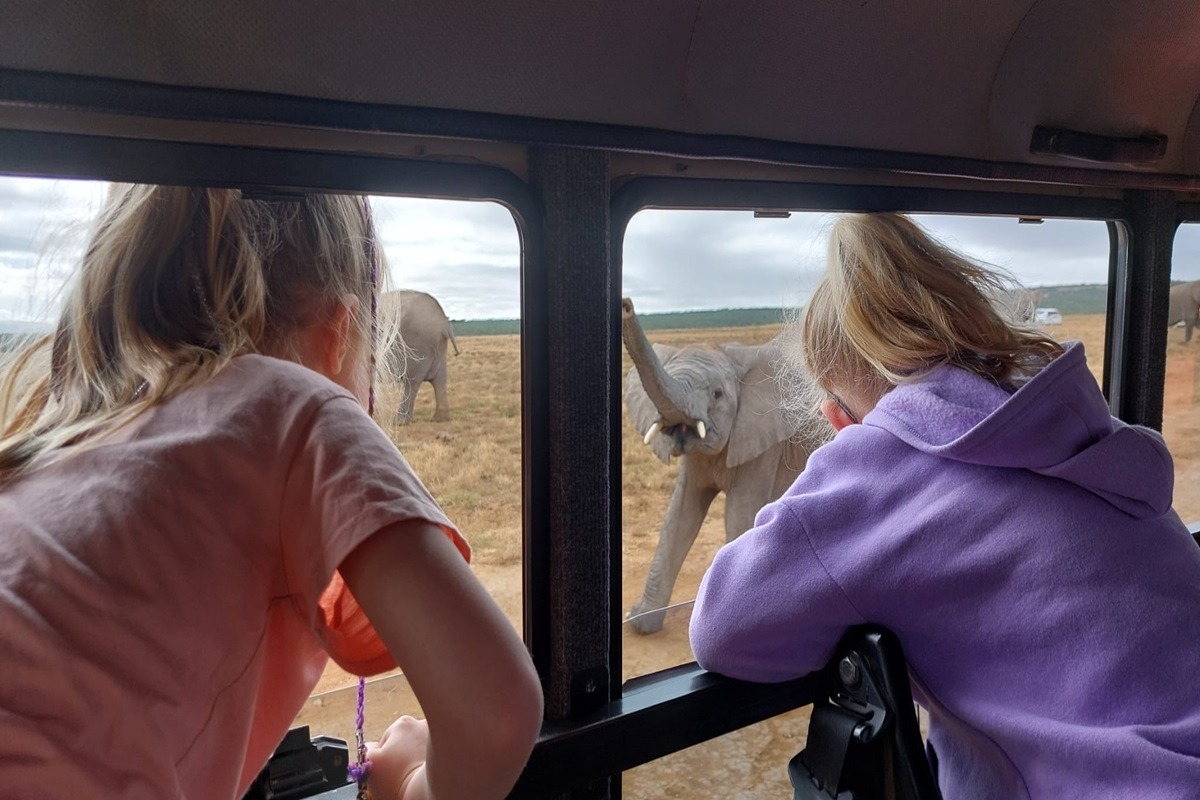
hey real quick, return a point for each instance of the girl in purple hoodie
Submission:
(980, 501)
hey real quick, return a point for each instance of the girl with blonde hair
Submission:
(980, 501)
(197, 512)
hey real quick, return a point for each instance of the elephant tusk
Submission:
(700, 429)
(650, 434)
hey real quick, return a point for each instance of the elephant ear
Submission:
(760, 423)
(642, 412)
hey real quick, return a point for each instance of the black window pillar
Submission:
(583, 474)
(1139, 313)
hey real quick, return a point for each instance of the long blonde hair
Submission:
(895, 304)
(175, 282)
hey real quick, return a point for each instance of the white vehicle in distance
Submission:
(1047, 316)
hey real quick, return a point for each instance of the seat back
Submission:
(863, 739)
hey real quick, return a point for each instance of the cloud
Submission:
(675, 260)
(1055, 252)
(43, 229)
(28, 295)
(467, 254)
(679, 260)
(1185, 258)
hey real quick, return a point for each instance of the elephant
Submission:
(418, 353)
(720, 411)
(1185, 306)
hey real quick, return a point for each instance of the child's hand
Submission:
(397, 760)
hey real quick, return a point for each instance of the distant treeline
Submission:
(721, 318)
(1089, 298)
(1081, 299)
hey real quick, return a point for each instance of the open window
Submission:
(704, 278)
(465, 255)
(1181, 392)
(709, 290)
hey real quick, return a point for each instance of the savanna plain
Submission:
(472, 465)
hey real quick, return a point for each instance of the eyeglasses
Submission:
(838, 401)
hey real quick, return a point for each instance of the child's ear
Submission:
(338, 341)
(836, 416)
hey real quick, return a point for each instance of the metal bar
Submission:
(1114, 324)
(657, 715)
(1140, 312)
(584, 498)
(78, 156)
(535, 440)
(583, 481)
(704, 193)
(33, 89)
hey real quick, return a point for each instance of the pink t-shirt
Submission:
(162, 617)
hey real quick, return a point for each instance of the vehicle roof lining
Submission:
(908, 78)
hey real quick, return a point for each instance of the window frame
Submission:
(656, 714)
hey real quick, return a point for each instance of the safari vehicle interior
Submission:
(577, 116)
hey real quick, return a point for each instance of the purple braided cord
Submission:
(374, 331)
(362, 769)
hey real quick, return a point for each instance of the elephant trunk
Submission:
(667, 393)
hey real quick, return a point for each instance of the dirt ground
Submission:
(472, 465)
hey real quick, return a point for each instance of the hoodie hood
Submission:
(1056, 424)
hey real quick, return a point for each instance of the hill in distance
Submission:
(1079, 299)
(719, 318)
(1087, 298)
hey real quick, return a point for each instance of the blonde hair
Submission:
(895, 304)
(175, 282)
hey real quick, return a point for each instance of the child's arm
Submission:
(767, 610)
(466, 664)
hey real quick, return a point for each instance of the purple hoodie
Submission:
(1023, 548)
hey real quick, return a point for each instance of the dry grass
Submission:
(1181, 421)
(473, 466)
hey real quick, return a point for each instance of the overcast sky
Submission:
(467, 254)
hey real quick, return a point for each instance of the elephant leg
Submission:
(1187, 333)
(685, 514)
(404, 413)
(751, 488)
(442, 412)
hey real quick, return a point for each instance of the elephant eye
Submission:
(718, 394)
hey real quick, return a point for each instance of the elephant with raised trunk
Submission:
(1185, 306)
(719, 410)
(418, 354)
